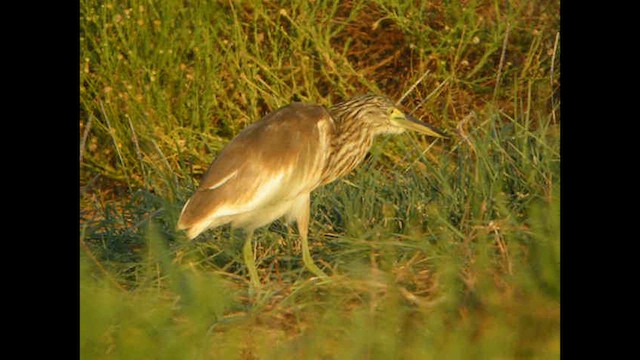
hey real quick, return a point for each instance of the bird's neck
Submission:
(348, 147)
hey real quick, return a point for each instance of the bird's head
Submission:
(381, 116)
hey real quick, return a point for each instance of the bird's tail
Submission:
(186, 223)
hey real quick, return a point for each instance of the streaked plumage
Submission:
(271, 167)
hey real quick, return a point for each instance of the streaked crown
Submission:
(368, 110)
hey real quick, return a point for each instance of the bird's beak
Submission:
(408, 122)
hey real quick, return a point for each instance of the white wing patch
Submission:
(267, 190)
(262, 195)
(223, 181)
(180, 224)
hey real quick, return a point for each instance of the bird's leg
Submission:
(302, 219)
(249, 260)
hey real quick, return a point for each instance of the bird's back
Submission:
(266, 166)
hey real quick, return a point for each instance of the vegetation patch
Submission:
(436, 249)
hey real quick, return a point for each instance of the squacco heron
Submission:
(270, 169)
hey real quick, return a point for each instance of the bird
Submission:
(270, 168)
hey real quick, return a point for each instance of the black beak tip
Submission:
(422, 123)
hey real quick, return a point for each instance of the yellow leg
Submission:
(308, 261)
(249, 260)
(302, 219)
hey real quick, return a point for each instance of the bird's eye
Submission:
(394, 113)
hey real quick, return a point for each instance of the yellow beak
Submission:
(410, 123)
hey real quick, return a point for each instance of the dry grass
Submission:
(438, 250)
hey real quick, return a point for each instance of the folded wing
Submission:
(266, 166)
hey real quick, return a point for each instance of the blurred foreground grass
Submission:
(438, 250)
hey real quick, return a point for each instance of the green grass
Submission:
(445, 249)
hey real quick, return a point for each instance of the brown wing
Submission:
(277, 158)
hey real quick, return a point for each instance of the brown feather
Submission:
(287, 140)
(272, 166)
